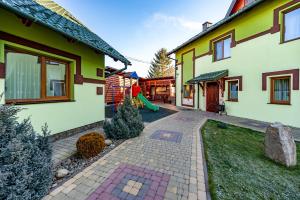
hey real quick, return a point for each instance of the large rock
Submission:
(280, 145)
(61, 173)
(108, 142)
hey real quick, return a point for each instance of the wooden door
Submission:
(212, 97)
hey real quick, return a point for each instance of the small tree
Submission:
(161, 66)
(25, 158)
(127, 123)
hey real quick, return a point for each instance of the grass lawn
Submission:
(238, 169)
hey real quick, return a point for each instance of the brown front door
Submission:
(212, 97)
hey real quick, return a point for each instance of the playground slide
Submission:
(147, 103)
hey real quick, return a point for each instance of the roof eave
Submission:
(16, 11)
(217, 25)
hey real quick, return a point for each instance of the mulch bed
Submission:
(76, 164)
(147, 115)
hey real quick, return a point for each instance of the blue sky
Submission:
(138, 28)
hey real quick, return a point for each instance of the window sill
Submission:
(232, 100)
(283, 104)
(222, 59)
(291, 40)
(38, 102)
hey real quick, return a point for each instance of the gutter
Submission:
(217, 25)
(116, 72)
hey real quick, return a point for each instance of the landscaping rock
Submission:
(108, 142)
(60, 173)
(280, 145)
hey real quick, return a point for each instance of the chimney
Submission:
(206, 25)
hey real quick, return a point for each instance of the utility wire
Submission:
(139, 60)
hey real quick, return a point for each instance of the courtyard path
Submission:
(165, 162)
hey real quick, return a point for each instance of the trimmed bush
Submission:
(126, 123)
(90, 145)
(25, 158)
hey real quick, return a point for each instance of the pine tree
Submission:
(127, 123)
(25, 158)
(161, 66)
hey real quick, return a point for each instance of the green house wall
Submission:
(86, 106)
(249, 59)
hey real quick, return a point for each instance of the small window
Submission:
(223, 49)
(32, 78)
(280, 90)
(56, 79)
(188, 91)
(292, 25)
(233, 91)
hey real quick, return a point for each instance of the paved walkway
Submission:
(246, 123)
(164, 163)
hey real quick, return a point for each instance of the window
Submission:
(223, 49)
(188, 91)
(280, 90)
(32, 78)
(292, 25)
(233, 90)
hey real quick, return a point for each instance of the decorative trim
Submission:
(257, 35)
(179, 63)
(26, 21)
(294, 72)
(94, 81)
(2, 70)
(276, 24)
(239, 78)
(220, 37)
(202, 55)
(191, 50)
(42, 47)
(99, 90)
(100, 72)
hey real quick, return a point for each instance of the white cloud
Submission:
(175, 21)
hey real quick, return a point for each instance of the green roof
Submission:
(34, 11)
(59, 10)
(226, 20)
(212, 76)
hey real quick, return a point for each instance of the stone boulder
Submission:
(108, 142)
(280, 145)
(61, 173)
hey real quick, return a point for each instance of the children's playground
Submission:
(149, 111)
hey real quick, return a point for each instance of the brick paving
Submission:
(160, 167)
(165, 162)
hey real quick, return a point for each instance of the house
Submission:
(248, 61)
(159, 89)
(118, 83)
(52, 66)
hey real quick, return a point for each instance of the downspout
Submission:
(175, 70)
(118, 71)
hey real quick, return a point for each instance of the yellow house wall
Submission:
(86, 107)
(249, 60)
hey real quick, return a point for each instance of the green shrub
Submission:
(25, 158)
(90, 145)
(126, 123)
